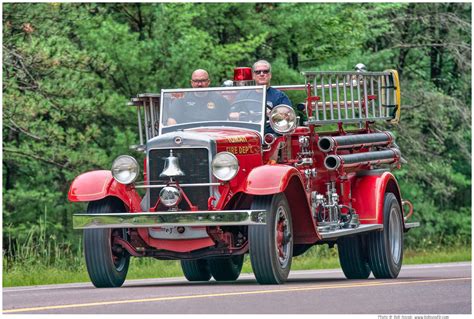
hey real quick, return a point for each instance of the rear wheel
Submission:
(271, 245)
(352, 257)
(107, 264)
(196, 270)
(226, 269)
(385, 248)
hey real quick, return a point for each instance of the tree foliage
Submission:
(69, 68)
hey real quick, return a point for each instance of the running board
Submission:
(350, 231)
(411, 225)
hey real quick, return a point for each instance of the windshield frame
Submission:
(236, 124)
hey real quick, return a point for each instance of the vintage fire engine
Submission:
(226, 179)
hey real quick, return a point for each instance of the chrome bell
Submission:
(172, 168)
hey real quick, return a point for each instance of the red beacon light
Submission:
(243, 76)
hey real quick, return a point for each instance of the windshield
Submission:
(230, 106)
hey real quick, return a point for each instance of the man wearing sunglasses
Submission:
(262, 74)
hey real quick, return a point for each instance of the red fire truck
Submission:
(224, 180)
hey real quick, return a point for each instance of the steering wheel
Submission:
(244, 111)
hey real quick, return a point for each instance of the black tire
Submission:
(107, 265)
(271, 255)
(385, 248)
(353, 257)
(226, 269)
(196, 270)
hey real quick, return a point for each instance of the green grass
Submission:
(26, 273)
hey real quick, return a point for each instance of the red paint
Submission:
(178, 245)
(368, 194)
(96, 185)
(270, 179)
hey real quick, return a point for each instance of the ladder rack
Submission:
(352, 97)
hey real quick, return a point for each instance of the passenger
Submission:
(199, 106)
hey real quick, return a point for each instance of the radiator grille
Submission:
(194, 162)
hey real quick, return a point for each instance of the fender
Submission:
(273, 179)
(270, 179)
(96, 185)
(370, 208)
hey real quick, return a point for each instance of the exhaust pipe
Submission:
(330, 143)
(334, 162)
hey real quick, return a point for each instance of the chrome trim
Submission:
(181, 185)
(221, 88)
(290, 87)
(232, 88)
(314, 73)
(149, 95)
(166, 219)
(411, 225)
(166, 142)
(351, 231)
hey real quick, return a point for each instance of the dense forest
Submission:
(70, 68)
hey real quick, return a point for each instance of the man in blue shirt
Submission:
(262, 74)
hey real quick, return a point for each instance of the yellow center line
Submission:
(241, 293)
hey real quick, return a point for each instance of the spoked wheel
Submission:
(107, 263)
(385, 248)
(226, 269)
(196, 270)
(271, 245)
(353, 257)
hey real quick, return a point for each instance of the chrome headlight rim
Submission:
(172, 198)
(123, 164)
(233, 168)
(292, 122)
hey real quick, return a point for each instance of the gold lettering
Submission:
(243, 149)
(231, 149)
(237, 139)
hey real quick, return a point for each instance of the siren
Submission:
(243, 76)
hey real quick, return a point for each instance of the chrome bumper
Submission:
(167, 219)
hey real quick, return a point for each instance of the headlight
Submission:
(283, 119)
(225, 166)
(170, 196)
(125, 169)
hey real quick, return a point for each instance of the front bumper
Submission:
(169, 219)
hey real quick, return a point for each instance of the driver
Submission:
(199, 106)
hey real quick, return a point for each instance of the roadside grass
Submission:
(33, 272)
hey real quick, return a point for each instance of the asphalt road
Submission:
(421, 289)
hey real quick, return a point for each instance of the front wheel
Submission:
(385, 248)
(107, 264)
(271, 245)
